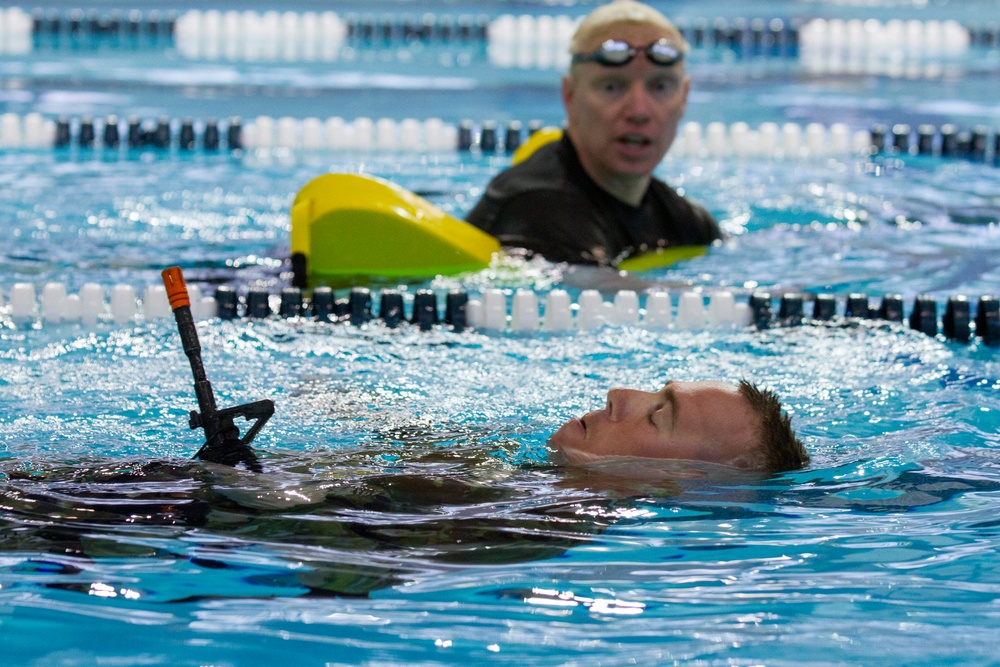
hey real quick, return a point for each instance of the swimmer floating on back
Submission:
(740, 426)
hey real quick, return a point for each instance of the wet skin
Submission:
(622, 120)
(697, 421)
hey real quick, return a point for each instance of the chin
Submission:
(574, 457)
(570, 434)
(636, 168)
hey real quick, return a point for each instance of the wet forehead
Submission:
(712, 403)
(718, 410)
(710, 387)
(636, 34)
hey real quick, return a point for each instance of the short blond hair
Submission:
(621, 12)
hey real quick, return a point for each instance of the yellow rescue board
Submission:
(661, 258)
(545, 135)
(354, 225)
(351, 226)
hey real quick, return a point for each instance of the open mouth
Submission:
(634, 140)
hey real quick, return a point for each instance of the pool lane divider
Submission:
(761, 35)
(956, 323)
(526, 41)
(852, 46)
(223, 442)
(894, 47)
(496, 310)
(714, 140)
(115, 22)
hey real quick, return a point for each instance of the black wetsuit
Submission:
(550, 205)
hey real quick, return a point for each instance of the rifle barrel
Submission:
(180, 302)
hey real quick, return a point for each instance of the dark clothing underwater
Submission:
(549, 205)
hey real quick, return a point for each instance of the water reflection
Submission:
(339, 525)
(349, 523)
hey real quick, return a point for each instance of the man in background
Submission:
(590, 197)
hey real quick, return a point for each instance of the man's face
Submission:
(697, 421)
(622, 120)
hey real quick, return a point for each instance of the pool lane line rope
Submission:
(700, 32)
(894, 48)
(522, 311)
(512, 40)
(714, 140)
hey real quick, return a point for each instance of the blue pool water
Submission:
(410, 514)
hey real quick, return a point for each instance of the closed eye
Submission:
(657, 410)
(670, 398)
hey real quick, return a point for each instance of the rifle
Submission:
(223, 443)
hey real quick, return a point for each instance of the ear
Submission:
(568, 91)
(685, 89)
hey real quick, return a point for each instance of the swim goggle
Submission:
(616, 53)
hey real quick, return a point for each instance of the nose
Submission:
(623, 402)
(638, 104)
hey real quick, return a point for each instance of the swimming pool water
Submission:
(410, 514)
(406, 467)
